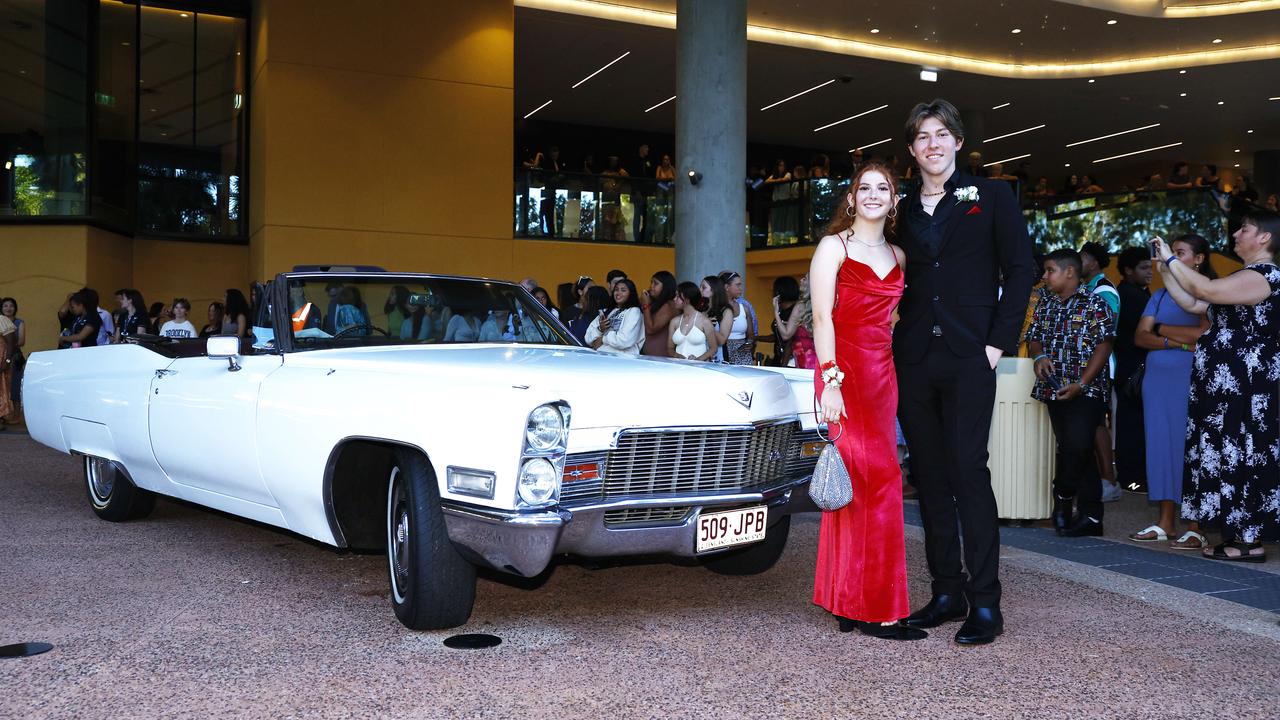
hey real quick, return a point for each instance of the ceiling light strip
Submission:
(980, 66)
(802, 92)
(1002, 105)
(1114, 134)
(1139, 152)
(878, 142)
(1000, 162)
(606, 67)
(531, 112)
(851, 117)
(664, 102)
(1016, 132)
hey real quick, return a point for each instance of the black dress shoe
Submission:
(897, 631)
(941, 609)
(1061, 513)
(981, 627)
(1084, 526)
(846, 624)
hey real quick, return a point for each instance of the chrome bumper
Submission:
(524, 543)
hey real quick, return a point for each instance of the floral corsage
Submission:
(967, 194)
(832, 375)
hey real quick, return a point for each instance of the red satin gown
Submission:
(862, 567)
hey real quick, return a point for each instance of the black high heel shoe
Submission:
(896, 631)
(847, 625)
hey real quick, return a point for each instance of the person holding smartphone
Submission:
(1070, 339)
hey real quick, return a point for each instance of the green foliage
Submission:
(1126, 219)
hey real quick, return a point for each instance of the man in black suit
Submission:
(962, 235)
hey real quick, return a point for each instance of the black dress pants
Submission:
(1074, 422)
(1131, 442)
(945, 404)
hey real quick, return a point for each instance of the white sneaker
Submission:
(1111, 492)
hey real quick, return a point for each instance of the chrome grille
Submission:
(656, 462)
(646, 516)
(798, 465)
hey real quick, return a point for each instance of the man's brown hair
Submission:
(945, 112)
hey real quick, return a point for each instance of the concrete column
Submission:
(711, 136)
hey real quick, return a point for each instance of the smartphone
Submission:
(1154, 252)
(1054, 383)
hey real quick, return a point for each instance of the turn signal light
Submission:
(580, 472)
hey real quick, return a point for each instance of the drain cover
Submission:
(472, 641)
(25, 649)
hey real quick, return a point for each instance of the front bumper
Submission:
(524, 543)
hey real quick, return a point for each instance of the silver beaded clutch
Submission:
(830, 487)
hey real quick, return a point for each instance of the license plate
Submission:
(731, 527)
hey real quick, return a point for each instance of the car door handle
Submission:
(165, 372)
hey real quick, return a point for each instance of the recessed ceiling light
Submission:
(851, 117)
(1182, 72)
(802, 92)
(1092, 81)
(1274, 98)
(22, 72)
(875, 31)
(125, 43)
(1139, 152)
(1249, 131)
(184, 14)
(152, 110)
(1237, 164)
(664, 102)
(1112, 22)
(1217, 41)
(602, 68)
(1067, 165)
(1220, 102)
(1237, 149)
(1016, 132)
(1001, 105)
(1114, 134)
(1010, 159)
(1182, 94)
(1015, 31)
(531, 112)
(929, 75)
(878, 142)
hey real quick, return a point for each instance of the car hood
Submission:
(603, 390)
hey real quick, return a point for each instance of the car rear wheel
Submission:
(755, 558)
(432, 585)
(112, 494)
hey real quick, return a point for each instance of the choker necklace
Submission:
(932, 194)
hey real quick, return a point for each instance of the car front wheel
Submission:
(432, 585)
(112, 494)
(755, 558)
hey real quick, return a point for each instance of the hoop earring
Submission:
(893, 212)
(848, 210)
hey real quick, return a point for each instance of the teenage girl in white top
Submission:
(738, 335)
(691, 336)
(619, 331)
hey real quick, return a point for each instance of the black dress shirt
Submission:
(926, 227)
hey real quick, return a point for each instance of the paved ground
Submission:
(194, 614)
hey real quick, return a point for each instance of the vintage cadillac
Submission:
(465, 428)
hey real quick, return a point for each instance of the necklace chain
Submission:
(932, 194)
(865, 243)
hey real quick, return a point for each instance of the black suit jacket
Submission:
(957, 287)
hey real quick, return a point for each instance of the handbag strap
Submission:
(817, 416)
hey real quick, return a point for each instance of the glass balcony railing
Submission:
(574, 206)
(604, 208)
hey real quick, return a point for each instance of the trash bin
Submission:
(1021, 445)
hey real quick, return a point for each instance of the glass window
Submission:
(191, 123)
(44, 119)
(115, 111)
(330, 312)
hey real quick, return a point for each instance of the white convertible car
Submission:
(475, 432)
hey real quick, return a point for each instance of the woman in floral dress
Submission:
(1232, 469)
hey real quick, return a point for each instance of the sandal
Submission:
(1243, 552)
(1160, 535)
(1189, 540)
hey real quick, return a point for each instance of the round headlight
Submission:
(545, 430)
(537, 481)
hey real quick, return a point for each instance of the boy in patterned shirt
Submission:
(1070, 338)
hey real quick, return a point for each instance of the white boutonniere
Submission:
(966, 194)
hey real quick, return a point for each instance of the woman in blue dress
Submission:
(1169, 334)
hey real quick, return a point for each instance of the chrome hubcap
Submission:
(398, 538)
(101, 478)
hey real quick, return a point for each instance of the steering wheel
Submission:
(362, 326)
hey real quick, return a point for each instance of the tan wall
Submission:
(200, 272)
(43, 264)
(382, 133)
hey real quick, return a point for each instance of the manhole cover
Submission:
(472, 641)
(25, 649)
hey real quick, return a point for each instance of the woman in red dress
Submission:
(855, 282)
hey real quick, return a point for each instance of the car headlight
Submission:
(545, 428)
(538, 481)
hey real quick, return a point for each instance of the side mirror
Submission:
(224, 347)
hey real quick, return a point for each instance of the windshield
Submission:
(328, 312)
